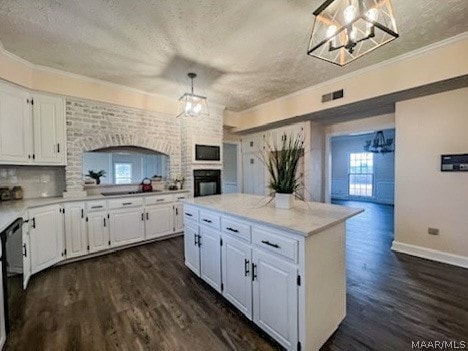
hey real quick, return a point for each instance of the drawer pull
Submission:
(207, 220)
(266, 242)
(159, 200)
(232, 230)
(246, 267)
(126, 203)
(188, 214)
(97, 206)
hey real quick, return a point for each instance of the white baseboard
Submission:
(430, 254)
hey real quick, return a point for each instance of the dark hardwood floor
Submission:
(144, 298)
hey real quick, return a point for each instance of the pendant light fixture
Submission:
(379, 145)
(192, 105)
(347, 29)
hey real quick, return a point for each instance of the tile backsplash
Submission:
(36, 181)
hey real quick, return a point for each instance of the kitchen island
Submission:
(283, 269)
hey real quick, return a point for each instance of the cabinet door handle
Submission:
(188, 214)
(34, 222)
(82, 213)
(266, 242)
(25, 252)
(232, 230)
(58, 148)
(199, 240)
(177, 211)
(206, 220)
(104, 222)
(246, 267)
(142, 216)
(254, 271)
(195, 237)
(147, 216)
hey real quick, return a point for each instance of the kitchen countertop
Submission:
(11, 210)
(306, 218)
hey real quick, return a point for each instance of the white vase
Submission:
(284, 201)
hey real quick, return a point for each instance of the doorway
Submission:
(358, 174)
(231, 175)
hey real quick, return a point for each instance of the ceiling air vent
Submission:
(333, 96)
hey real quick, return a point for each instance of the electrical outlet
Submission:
(432, 231)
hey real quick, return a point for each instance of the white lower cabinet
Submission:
(237, 281)
(98, 231)
(46, 237)
(210, 257)
(76, 240)
(253, 267)
(159, 220)
(126, 226)
(191, 246)
(275, 299)
(26, 255)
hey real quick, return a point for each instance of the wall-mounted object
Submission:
(454, 163)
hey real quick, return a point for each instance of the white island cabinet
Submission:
(284, 269)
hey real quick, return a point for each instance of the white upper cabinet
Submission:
(15, 126)
(46, 237)
(49, 130)
(32, 127)
(76, 241)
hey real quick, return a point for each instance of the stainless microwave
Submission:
(207, 153)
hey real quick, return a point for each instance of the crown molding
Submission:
(67, 74)
(411, 54)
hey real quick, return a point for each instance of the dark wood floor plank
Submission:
(144, 298)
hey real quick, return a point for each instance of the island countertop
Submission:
(306, 218)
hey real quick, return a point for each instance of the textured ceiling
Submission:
(245, 52)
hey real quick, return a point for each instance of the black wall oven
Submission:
(211, 153)
(206, 182)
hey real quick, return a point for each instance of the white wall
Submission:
(426, 197)
(384, 175)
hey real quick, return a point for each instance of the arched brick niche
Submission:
(93, 126)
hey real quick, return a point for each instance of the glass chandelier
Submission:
(379, 145)
(192, 105)
(347, 29)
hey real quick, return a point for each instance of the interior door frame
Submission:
(239, 164)
(346, 128)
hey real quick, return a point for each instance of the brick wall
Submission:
(92, 125)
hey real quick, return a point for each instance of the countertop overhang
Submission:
(306, 218)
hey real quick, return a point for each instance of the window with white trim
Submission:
(361, 174)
